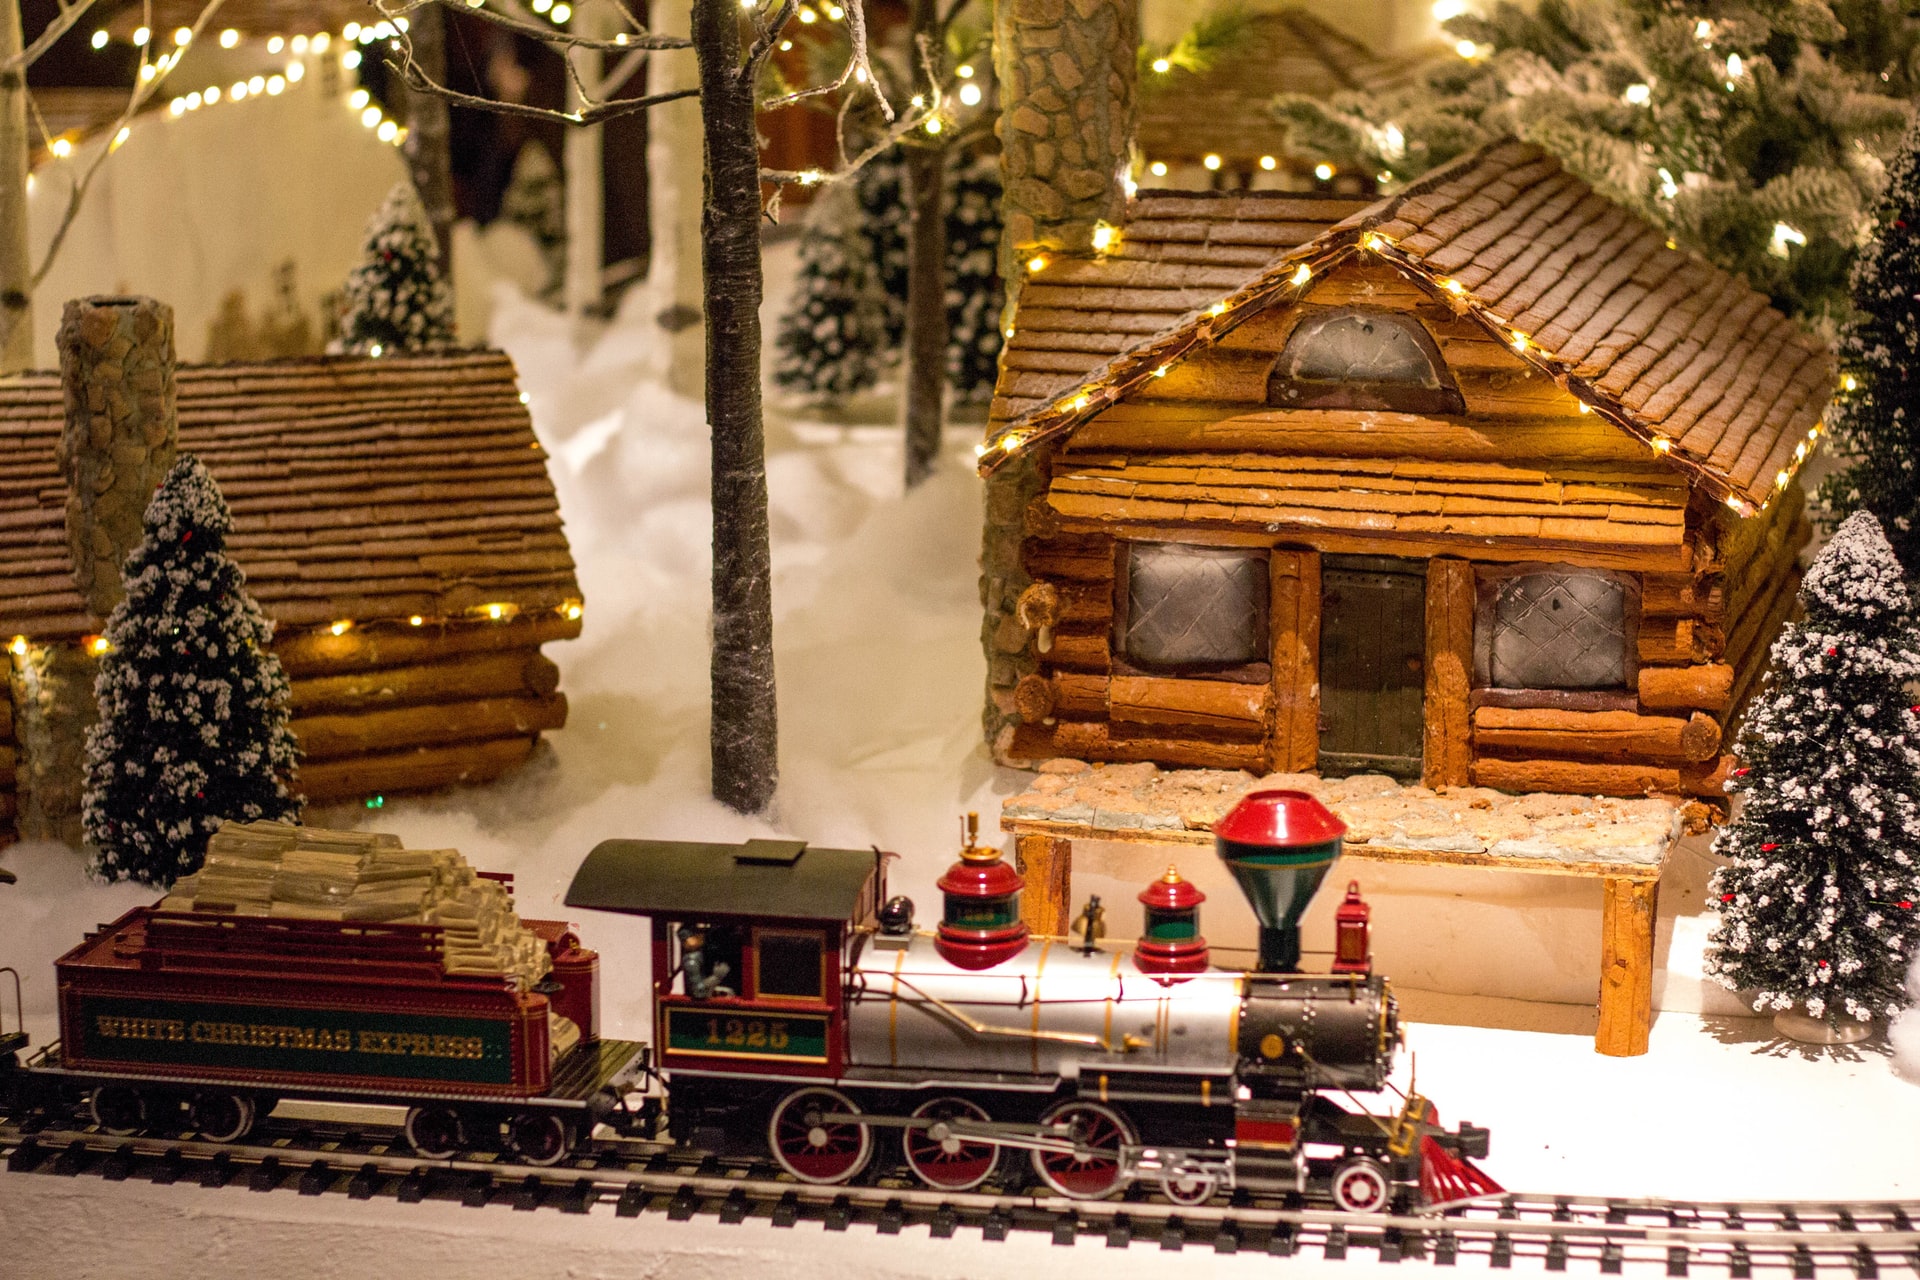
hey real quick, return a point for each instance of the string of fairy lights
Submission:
(1296, 271)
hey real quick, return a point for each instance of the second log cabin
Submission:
(1484, 483)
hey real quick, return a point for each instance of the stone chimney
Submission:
(116, 367)
(1067, 114)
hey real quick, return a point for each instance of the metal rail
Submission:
(364, 1161)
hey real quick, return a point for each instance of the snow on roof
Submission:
(362, 489)
(1670, 348)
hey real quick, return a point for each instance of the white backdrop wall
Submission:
(191, 208)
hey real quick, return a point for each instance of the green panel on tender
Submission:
(320, 1042)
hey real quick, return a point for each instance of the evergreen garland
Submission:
(1880, 370)
(1754, 136)
(1818, 899)
(847, 322)
(193, 707)
(395, 299)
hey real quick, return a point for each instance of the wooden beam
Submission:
(334, 737)
(1193, 704)
(1629, 910)
(422, 769)
(1293, 600)
(1707, 687)
(1602, 735)
(1097, 740)
(481, 675)
(1448, 755)
(1595, 778)
(320, 652)
(1046, 862)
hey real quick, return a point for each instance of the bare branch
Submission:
(142, 91)
(858, 68)
(594, 113)
(763, 44)
(63, 23)
(639, 38)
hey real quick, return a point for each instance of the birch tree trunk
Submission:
(580, 162)
(429, 134)
(16, 266)
(926, 335)
(744, 738)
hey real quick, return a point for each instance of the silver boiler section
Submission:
(1051, 1012)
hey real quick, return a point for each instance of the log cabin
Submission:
(394, 518)
(1484, 483)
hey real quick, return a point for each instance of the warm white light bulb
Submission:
(370, 117)
(1210, 161)
(320, 42)
(275, 44)
(141, 35)
(212, 94)
(350, 59)
(61, 147)
(1158, 168)
(1324, 172)
(1161, 66)
(562, 13)
(386, 131)
(1269, 163)
(359, 98)
(276, 85)
(182, 36)
(970, 95)
(256, 84)
(350, 32)
(229, 38)
(99, 40)
(296, 72)
(299, 45)
(238, 92)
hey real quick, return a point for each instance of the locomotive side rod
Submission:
(1838, 1247)
(1020, 1137)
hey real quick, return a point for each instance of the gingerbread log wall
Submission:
(1524, 475)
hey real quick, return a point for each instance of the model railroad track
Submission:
(638, 1178)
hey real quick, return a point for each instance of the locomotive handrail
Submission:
(1129, 1043)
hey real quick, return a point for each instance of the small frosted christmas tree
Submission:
(395, 299)
(832, 342)
(1817, 902)
(1876, 416)
(973, 277)
(193, 707)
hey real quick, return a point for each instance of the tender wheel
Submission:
(812, 1148)
(436, 1132)
(1190, 1186)
(942, 1159)
(540, 1137)
(118, 1108)
(1095, 1171)
(222, 1117)
(1360, 1185)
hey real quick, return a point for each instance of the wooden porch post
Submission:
(1449, 734)
(1627, 917)
(1293, 604)
(1047, 864)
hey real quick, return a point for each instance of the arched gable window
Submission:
(1355, 358)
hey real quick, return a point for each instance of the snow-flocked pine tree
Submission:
(848, 317)
(832, 341)
(1876, 417)
(395, 299)
(973, 277)
(1817, 902)
(1753, 134)
(193, 706)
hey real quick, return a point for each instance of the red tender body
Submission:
(308, 1004)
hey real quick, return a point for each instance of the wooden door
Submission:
(1372, 665)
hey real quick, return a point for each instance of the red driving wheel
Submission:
(1093, 1170)
(942, 1159)
(813, 1148)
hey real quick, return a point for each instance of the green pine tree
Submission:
(832, 340)
(1876, 416)
(1820, 898)
(395, 299)
(193, 707)
(1755, 135)
(973, 277)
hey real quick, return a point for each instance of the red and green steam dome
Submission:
(1170, 944)
(1279, 844)
(980, 923)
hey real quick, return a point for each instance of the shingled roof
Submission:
(1226, 108)
(1181, 250)
(1677, 352)
(361, 489)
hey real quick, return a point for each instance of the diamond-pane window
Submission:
(1194, 606)
(1559, 631)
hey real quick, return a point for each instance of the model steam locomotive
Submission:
(799, 1014)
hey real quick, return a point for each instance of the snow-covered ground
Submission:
(880, 677)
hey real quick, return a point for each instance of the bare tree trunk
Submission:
(744, 743)
(580, 167)
(428, 134)
(16, 265)
(926, 336)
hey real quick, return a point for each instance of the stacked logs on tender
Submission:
(309, 873)
(387, 710)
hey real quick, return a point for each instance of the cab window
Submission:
(790, 966)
